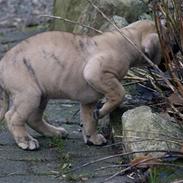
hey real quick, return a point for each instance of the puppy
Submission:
(61, 65)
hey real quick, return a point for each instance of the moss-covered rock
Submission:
(149, 131)
(70, 9)
(129, 9)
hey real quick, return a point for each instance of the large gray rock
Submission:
(117, 20)
(129, 9)
(145, 130)
(70, 9)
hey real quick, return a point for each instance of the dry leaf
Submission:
(145, 161)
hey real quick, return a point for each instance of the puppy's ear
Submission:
(151, 47)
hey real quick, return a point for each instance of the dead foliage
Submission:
(169, 22)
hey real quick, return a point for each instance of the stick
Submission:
(132, 166)
(123, 154)
(148, 139)
(73, 22)
(145, 164)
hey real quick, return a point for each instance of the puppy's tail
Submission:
(4, 104)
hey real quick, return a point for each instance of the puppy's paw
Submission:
(100, 104)
(62, 132)
(97, 140)
(96, 114)
(27, 143)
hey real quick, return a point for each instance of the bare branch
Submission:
(73, 22)
(143, 162)
(175, 153)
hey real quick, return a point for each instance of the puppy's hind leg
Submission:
(89, 126)
(16, 117)
(37, 122)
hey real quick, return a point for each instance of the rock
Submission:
(119, 21)
(70, 9)
(149, 131)
(145, 16)
(129, 9)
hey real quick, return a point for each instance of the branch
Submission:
(177, 153)
(143, 162)
(73, 22)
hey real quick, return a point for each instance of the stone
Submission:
(129, 9)
(70, 9)
(145, 130)
(145, 16)
(119, 21)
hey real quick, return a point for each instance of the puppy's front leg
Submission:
(107, 84)
(114, 94)
(89, 126)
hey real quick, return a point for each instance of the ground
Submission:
(20, 19)
(56, 156)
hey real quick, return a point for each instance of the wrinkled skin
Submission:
(60, 65)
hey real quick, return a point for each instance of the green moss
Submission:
(77, 177)
(1, 34)
(64, 158)
(165, 174)
(57, 142)
(153, 176)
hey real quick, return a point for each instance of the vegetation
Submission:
(170, 15)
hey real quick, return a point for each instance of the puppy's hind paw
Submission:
(62, 132)
(28, 143)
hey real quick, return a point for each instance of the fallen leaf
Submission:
(145, 161)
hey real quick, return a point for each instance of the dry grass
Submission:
(169, 14)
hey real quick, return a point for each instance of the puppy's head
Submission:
(151, 48)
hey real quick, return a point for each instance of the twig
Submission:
(73, 22)
(134, 165)
(146, 87)
(132, 83)
(134, 45)
(142, 163)
(152, 139)
(164, 164)
(112, 166)
(178, 153)
(178, 181)
(135, 78)
(75, 113)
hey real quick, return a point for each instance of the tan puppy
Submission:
(62, 65)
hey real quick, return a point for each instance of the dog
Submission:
(61, 65)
